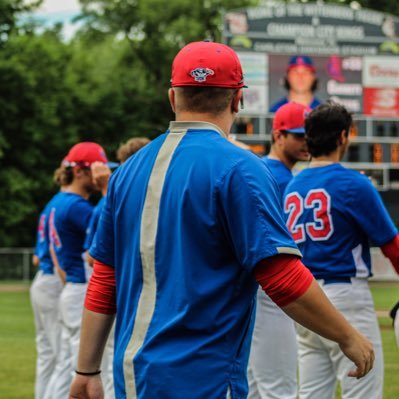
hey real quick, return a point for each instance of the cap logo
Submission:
(200, 74)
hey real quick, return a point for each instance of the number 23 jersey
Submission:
(333, 213)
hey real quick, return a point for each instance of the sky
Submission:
(53, 11)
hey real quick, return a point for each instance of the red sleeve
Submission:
(391, 251)
(100, 296)
(284, 278)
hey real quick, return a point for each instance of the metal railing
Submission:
(16, 264)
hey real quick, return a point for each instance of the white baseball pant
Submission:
(71, 309)
(321, 362)
(45, 292)
(272, 367)
(396, 327)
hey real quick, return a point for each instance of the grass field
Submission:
(17, 346)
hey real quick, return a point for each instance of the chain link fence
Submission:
(16, 264)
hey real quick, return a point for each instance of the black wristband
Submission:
(88, 374)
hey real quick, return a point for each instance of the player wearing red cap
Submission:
(300, 82)
(69, 217)
(272, 370)
(188, 226)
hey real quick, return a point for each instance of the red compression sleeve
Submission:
(100, 296)
(284, 278)
(391, 251)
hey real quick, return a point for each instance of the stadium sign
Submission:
(318, 29)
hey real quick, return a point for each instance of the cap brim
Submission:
(298, 130)
(112, 165)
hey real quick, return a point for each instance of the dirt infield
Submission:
(14, 287)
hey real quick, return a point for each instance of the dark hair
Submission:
(63, 176)
(206, 100)
(130, 147)
(288, 87)
(323, 128)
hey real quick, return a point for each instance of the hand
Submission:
(360, 350)
(84, 387)
(100, 173)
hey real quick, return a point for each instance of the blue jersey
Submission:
(314, 104)
(91, 230)
(333, 213)
(69, 218)
(42, 249)
(280, 172)
(185, 221)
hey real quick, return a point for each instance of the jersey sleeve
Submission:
(253, 215)
(102, 248)
(91, 230)
(367, 208)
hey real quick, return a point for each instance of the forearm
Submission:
(314, 311)
(93, 337)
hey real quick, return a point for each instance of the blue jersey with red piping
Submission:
(333, 213)
(68, 221)
(314, 104)
(280, 172)
(91, 230)
(42, 249)
(185, 222)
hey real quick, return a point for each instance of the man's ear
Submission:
(276, 135)
(343, 138)
(235, 104)
(172, 99)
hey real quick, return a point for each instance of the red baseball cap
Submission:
(85, 154)
(291, 118)
(207, 64)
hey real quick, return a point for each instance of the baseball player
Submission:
(300, 82)
(333, 213)
(126, 150)
(189, 224)
(44, 292)
(272, 369)
(69, 217)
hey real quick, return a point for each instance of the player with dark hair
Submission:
(272, 369)
(188, 226)
(300, 82)
(333, 213)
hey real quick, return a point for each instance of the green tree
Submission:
(9, 12)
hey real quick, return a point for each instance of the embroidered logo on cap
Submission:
(200, 74)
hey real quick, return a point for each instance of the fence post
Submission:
(26, 266)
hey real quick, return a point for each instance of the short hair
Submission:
(204, 100)
(63, 176)
(130, 147)
(323, 128)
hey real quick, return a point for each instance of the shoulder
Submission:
(278, 104)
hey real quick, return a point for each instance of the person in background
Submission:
(272, 368)
(69, 216)
(44, 293)
(300, 82)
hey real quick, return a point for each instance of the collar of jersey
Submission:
(183, 126)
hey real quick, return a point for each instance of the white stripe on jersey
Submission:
(148, 231)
